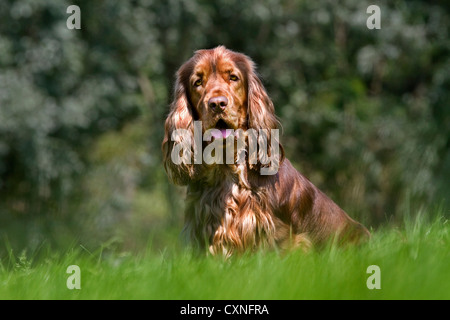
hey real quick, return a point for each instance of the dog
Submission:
(237, 207)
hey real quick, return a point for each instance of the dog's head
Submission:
(220, 88)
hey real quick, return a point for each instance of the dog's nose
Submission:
(218, 104)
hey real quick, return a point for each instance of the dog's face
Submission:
(216, 85)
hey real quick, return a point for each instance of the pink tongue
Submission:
(224, 133)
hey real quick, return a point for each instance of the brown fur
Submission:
(232, 207)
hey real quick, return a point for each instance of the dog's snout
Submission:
(218, 103)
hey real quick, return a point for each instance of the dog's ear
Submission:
(262, 119)
(179, 131)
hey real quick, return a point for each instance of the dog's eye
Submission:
(234, 77)
(198, 83)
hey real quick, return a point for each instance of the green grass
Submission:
(414, 261)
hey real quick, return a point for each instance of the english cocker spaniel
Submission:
(221, 140)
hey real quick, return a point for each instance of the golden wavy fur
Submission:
(233, 207)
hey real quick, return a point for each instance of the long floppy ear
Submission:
(262, 119)
(179, 133)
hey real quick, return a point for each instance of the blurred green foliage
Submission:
(365, 113)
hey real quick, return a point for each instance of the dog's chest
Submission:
(212, 203)
(228, 216)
